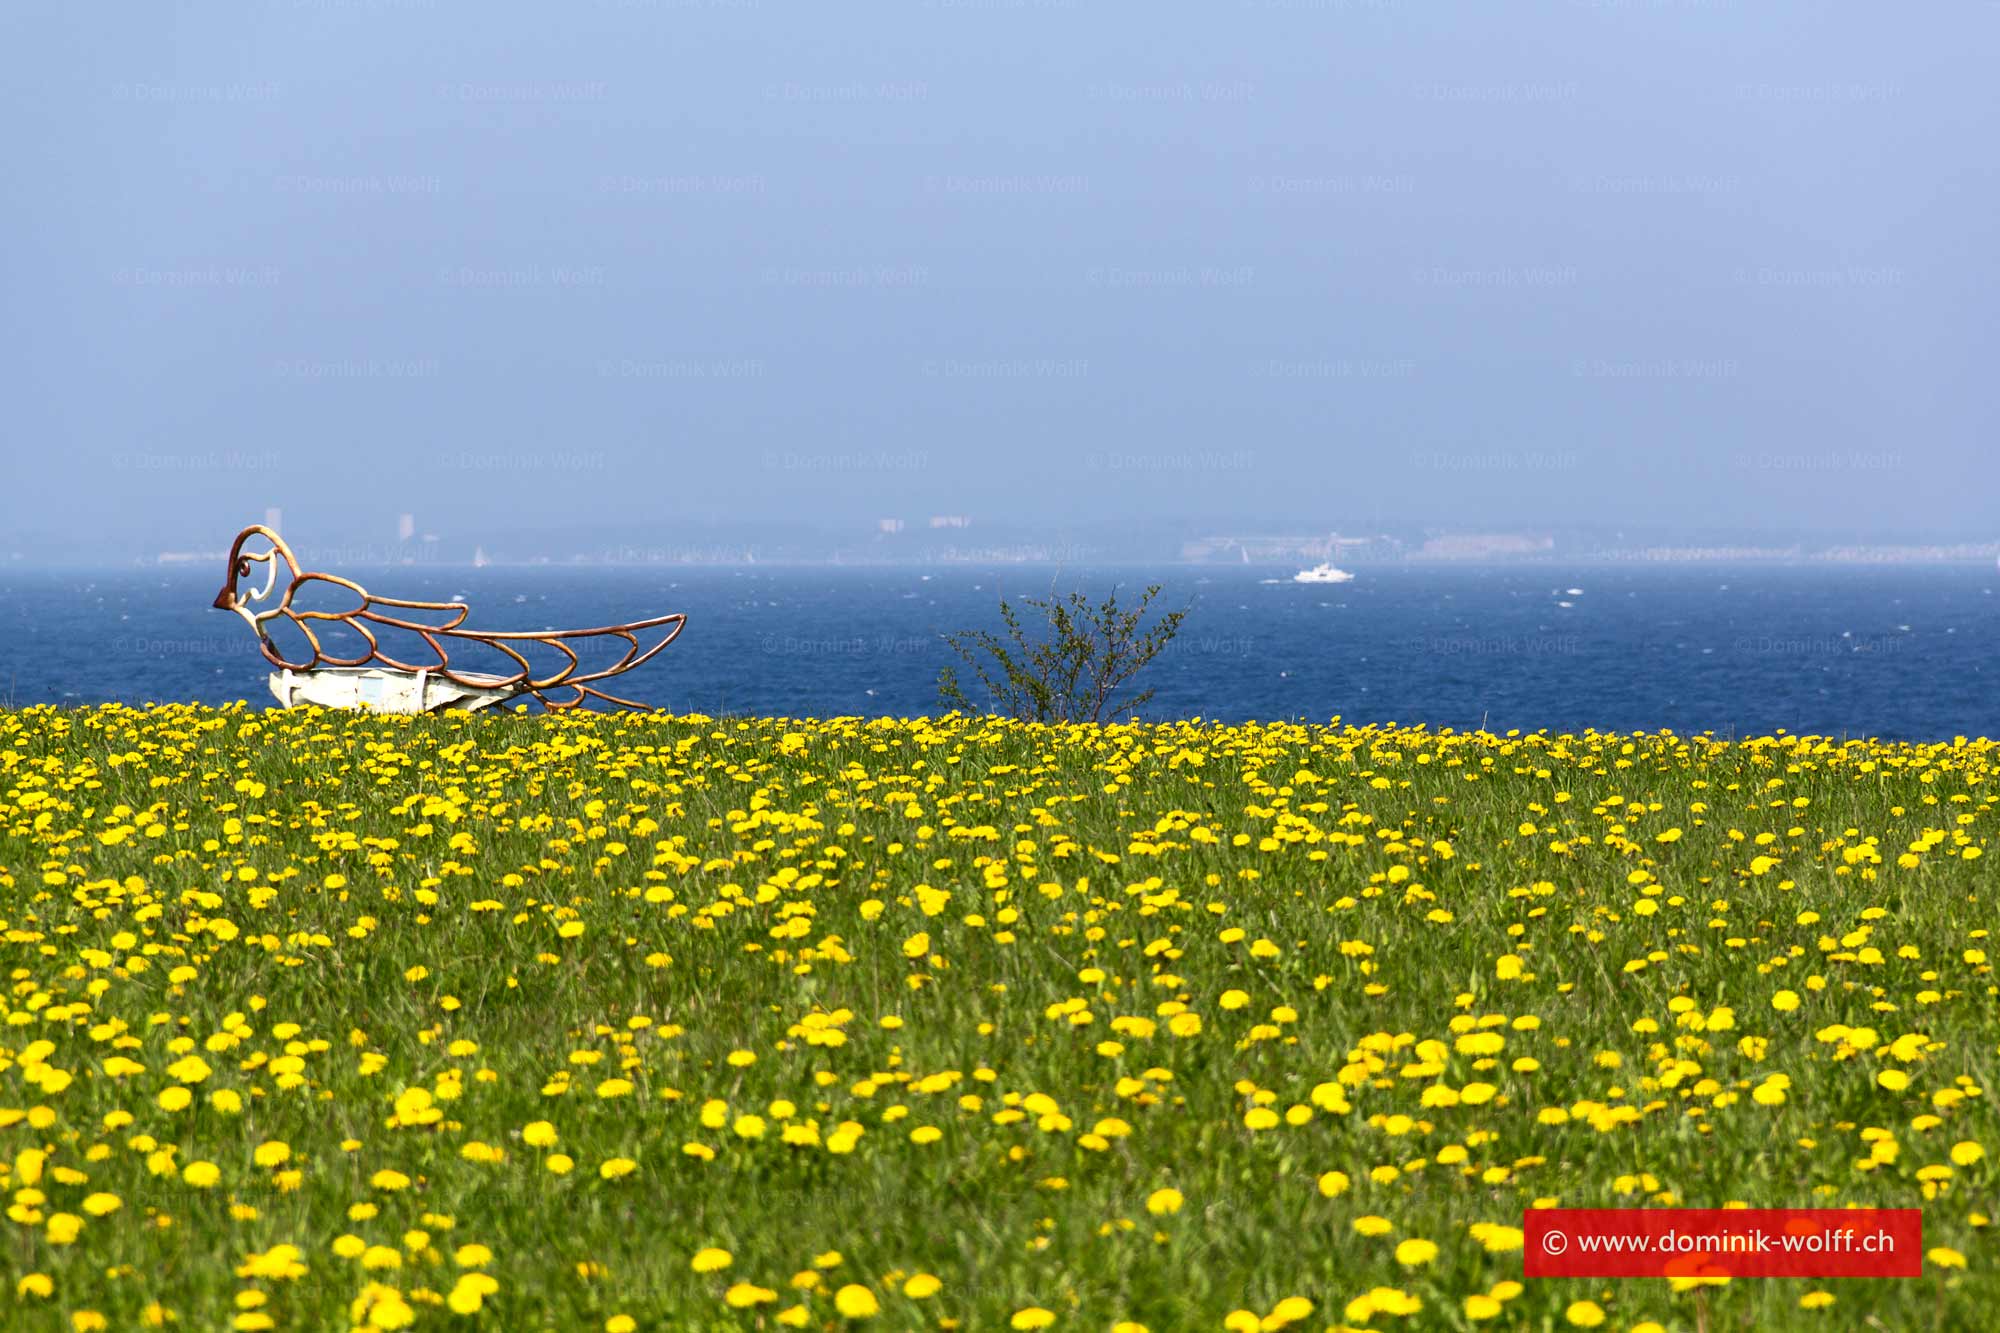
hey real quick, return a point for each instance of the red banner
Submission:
(1723, 1242)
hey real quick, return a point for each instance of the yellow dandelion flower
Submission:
(855, 1301)
(1415, 1252)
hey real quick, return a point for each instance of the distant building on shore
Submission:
(1482, 546)
(1279, 550)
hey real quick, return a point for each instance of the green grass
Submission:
(397, 888)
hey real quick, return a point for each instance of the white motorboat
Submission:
(1322, 574)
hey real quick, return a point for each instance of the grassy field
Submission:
(320, 1020)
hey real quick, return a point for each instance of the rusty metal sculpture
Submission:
(375, 679)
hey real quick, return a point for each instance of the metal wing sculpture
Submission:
(362, 673)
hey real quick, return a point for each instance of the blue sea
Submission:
(1902, 652)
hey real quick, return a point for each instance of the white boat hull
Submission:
(378, 690)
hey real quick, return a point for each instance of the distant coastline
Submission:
(961, 540)
(1447, 551)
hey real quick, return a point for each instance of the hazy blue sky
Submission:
(1272, 262)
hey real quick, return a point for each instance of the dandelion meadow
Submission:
(324, 1020)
